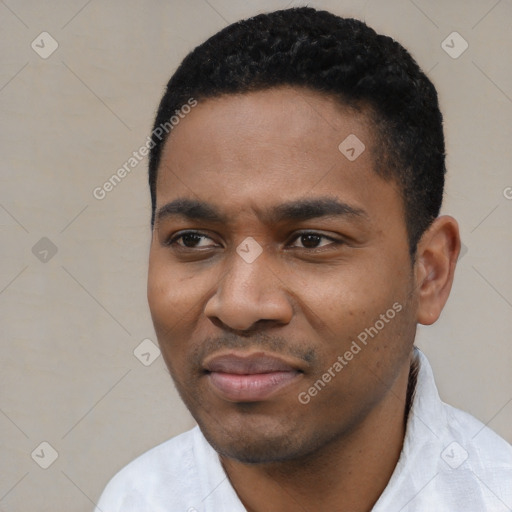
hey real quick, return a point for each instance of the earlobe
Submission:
(436, 259)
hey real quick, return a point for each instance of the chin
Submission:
(260, 444)
(254, 451)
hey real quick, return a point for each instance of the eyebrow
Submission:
(297, 210)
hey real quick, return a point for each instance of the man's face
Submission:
(249, 311)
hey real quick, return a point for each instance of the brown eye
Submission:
(189, 240)
(311, 240)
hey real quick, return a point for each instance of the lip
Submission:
(237, 377)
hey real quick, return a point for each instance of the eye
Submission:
(311, 239)
(190, 240)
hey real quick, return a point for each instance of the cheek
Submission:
(170, 292)
(354, 295)
(176, 300)
(169, 300)
(348, 306)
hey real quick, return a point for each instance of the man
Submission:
(296, 181)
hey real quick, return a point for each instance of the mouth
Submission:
(249, 378)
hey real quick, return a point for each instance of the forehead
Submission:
(268, 147)
(278, 115)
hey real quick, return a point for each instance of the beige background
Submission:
(69, 325)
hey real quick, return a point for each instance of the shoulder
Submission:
(164, 474)
(451, 460)
(485, 449)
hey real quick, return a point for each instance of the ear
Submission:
(436, 257)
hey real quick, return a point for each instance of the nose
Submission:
(248, 293)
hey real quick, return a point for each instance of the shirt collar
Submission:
(425, 429)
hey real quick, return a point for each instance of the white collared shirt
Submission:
(450, 462)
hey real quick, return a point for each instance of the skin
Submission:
(305, 299)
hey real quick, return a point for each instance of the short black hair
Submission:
(340, 57)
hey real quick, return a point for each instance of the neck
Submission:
(347, 474)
